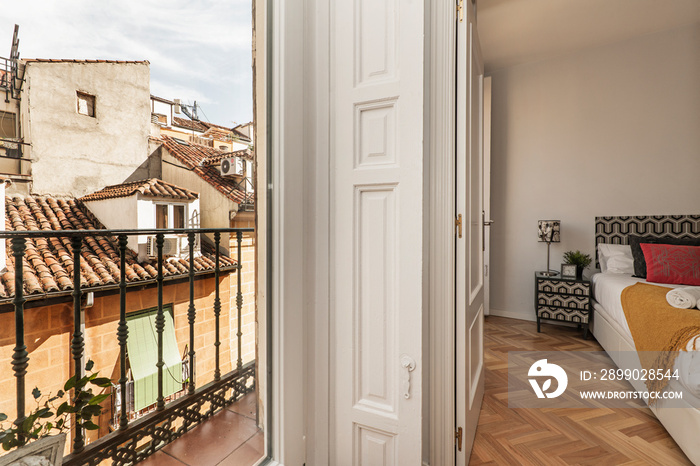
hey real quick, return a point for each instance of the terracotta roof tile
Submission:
(73, 60)
(189, 124)
(48, 262)
(194, 157)
(210, 129)
(215, 159)
(219, 134)
(152, 188)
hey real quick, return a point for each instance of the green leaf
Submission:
(64, 408)
(27, 424)
(89, 425)
(97, 399)
(89, 365)
(70, 383)
(36, 393)
(91, 410)
(3, 417)
(102, 382)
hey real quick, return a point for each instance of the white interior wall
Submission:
(613, 130)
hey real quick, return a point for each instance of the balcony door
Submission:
(470, 245)
(377, 233)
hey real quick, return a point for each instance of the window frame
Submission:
(170, 215)
(87, 97)
(11, 116)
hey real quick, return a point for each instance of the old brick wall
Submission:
(48, 333)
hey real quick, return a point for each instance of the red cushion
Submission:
(667, 263)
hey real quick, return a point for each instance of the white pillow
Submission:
(615, 258)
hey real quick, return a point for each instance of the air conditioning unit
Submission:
(233, 166)
(171, 246)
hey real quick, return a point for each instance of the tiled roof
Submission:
(219, 133)
(48, 263)
(211, 129)
(152, 188)
(193, 156)
(215, 159)
(240, 135)
(189, 124)
(72, 60)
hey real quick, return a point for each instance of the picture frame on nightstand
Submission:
(568, 270)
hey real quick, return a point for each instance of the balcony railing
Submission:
(134, 440)
(126, 400)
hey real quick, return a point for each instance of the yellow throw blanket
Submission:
(657, 326)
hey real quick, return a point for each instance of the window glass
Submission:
(178, 216)
(7, 125)
(161, 216)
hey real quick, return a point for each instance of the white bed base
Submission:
(683, 424)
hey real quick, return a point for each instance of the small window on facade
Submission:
(161, 216)
(86, 104)
(178, 216)
(7, 125)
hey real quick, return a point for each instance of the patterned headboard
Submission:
(615, 229)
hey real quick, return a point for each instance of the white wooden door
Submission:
(469, 262)
(377, 232)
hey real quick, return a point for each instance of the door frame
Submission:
(441, 140)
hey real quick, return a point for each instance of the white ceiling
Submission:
(520, 31)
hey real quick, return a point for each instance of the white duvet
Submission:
(607, 291)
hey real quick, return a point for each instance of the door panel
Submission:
(376, 232)
(469, 306)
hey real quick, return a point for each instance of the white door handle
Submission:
(409, 364)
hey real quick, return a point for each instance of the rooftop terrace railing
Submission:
(133, 441)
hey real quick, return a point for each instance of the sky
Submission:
(199, 50)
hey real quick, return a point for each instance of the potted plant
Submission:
(579, 259)
(41, 434)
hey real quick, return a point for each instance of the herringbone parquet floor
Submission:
(600, 436)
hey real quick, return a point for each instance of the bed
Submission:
(681, 418)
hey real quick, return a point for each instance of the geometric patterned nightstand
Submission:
(563, 299)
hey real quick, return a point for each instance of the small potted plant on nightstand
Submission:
(579, 259)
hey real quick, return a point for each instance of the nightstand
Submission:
(563, 299)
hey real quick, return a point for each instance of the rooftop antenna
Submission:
(14, 64)
(190, 111)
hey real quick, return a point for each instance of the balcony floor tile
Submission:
(215, 440)
(245, 406)
(160, 458)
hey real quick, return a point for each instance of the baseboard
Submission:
(530, 316)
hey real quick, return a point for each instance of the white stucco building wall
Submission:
(75, 154)
(215, 207)
(138, 212)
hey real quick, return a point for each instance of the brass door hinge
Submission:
(458, 224)
(458, 438)
(460, 10)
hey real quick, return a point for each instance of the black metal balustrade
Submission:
(129, 444)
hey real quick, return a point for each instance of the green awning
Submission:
(142, 347)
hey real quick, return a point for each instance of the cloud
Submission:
(198, 50)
